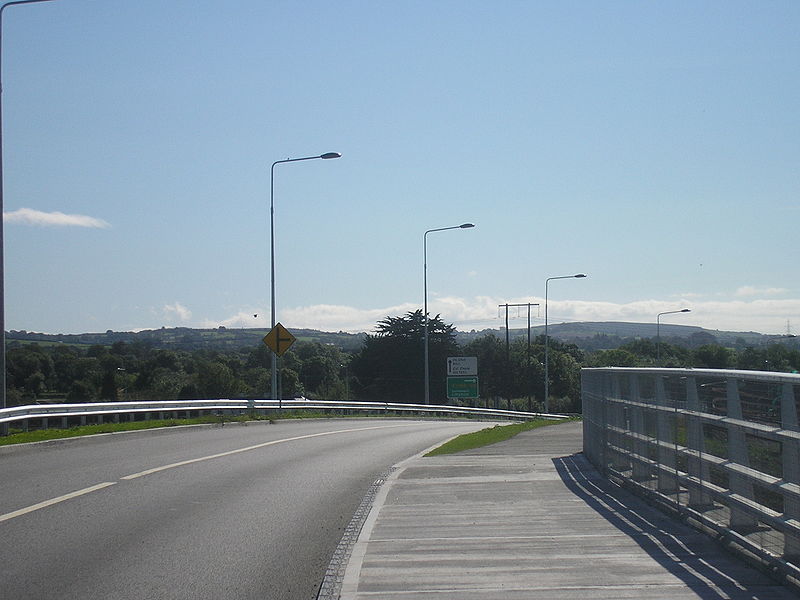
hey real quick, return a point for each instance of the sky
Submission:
(653, 146)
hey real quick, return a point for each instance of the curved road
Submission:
(235, 512)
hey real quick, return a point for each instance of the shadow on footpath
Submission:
(688, 554)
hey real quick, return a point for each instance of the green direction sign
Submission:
(462, 387)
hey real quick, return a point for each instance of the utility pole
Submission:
(508, 353)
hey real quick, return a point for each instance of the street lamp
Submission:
(2, 268)
(326, 156)
(425, 307)
(658, 331)
(546, 343)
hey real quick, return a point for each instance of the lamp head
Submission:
(685, 310)
(579, 275)
(328, 155)
(466, 225)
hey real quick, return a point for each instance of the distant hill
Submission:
(588, 336)
(184, 338)
(607, 335)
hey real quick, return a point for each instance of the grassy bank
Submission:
(17, 436)
(42, 435)
(486, 437)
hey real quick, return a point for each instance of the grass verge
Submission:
(488, 436)
(43, 435)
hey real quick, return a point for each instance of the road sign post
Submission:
(279, 339)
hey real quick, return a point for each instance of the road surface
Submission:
(235, 512)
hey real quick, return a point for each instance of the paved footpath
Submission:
(531, 518)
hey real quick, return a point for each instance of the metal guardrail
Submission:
(97, 412)
(720, 447)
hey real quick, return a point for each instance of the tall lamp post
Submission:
(546, 342)
(2, 264)
(425, 301)
(326, 156)
(658, 331)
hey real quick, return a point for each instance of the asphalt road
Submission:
(237, 512)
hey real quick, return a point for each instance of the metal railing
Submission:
(720, 447)
(65, 415)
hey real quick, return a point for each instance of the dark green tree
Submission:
(712, 356)
(390, 365)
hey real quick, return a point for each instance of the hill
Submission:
(591, 336)
(588, 336)
(185, 338)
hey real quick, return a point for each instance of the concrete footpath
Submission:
(530, 518)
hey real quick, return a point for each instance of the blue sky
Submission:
(653, 146)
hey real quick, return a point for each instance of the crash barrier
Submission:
(65, 415)
(720, 447)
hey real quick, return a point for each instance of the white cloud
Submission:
(177, 310)
(328, 317)
(243, 318)
(762, 315)
(749, 290)
(29, 216)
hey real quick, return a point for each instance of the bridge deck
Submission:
(531, 518)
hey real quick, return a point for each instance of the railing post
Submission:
(791, 470)
(641, 468)
(667, 482)
(589, 406)
(616, 412)
(737, 453)
(698, 497)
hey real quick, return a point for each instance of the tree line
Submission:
(389, 366)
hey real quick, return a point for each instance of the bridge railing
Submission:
(64, 415)
(720, 447)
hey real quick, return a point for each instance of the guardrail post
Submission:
(737, 453)
(667, 481)
(698, 496)
(791, 470)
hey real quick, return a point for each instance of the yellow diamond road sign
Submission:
(279, 339)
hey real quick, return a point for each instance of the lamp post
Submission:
(2, 267)
(658, 331)
(546, 342)
(326, 156)
(425, 301)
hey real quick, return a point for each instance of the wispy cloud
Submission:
(749, 290)
(328, 317)
(243, 318)
(29, 216)
(177, 310)
(763, 315)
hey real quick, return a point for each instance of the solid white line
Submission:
(46, 503)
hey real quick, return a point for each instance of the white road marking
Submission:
(46, 503)
(100, 486)
(248, 448)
